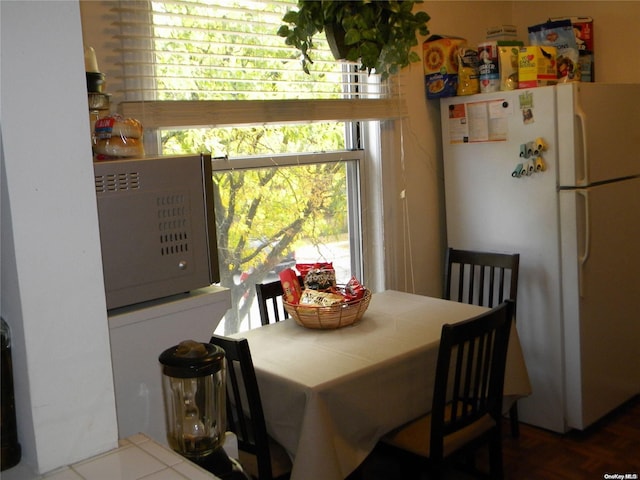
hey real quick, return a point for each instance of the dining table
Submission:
(329, 395)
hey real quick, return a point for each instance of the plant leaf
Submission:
(283, 31)
(352, 36)
(290, 17)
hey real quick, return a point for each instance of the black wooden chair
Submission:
(486, 279)
(261, 456)
(467, 397)
(270, 300)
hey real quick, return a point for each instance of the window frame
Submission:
(354, 160)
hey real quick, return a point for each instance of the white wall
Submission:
(416, 236)
(52, 287)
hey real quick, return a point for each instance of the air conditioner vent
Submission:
(173, 224)
(115, 182)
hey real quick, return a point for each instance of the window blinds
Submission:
(226, 57)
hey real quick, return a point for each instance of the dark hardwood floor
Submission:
(611, 446)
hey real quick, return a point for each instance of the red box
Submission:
(290, 286)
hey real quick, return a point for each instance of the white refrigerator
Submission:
(553, 173)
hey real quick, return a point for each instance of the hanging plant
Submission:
(378, 35)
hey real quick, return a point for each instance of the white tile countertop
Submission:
(137, 457)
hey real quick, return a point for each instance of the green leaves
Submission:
(378, 34)
(352, 36)
(290, 17)
(300, 27)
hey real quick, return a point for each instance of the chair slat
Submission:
(271, 294)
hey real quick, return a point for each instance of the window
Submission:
(289, 146)
(270, 218)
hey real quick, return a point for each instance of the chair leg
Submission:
(513, 417)
(496, 467)
(436, 469)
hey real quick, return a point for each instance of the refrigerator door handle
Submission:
(586, 235)
(581, 117)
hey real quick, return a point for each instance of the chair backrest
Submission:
(270, 299)
(470, 373)
(245, 416)
(481, 278)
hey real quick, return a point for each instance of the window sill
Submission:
(199, 113)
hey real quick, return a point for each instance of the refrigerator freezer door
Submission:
(600, 227)
(598, 133)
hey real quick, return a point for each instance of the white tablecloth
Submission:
(329, 395)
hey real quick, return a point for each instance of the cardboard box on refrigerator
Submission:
(583, 30)
(502, 32)
(440, 65)
(508, 51)
(537, 66)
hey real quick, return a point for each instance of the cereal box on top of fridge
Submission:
(583, 30)
(537, 66)
(559, 34)
(440, 65)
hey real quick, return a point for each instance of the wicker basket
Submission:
(335, 316)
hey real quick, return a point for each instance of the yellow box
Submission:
(508, 65)
(537, 66)
(440, 65)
